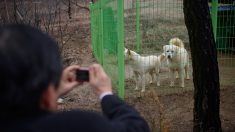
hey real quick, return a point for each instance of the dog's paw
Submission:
(176, 75)
(187, 78)
(150, 82)
(136, 88)
(182, 85)
(143, 90)
(158, 84)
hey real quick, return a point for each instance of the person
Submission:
(32, 78)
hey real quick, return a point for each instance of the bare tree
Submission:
(47, 15)
(63, 35)
(80, 6)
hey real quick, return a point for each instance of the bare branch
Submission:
(80, 6)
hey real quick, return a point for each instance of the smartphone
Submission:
(82, 74)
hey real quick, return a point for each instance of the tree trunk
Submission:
(7, 13)
(15, 12)
(205, 66)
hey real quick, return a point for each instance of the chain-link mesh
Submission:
(105, 29)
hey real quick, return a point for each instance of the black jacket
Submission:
(118, 117)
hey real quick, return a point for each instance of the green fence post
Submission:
(121, 70)
(214, 15)
(138, 37)
(101, 33)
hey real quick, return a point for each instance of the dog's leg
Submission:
(136, 80)
(157, 70)
(143, 82)
(172, 77)
(187, 71)
(157, 78)
(176, 74)
(151, 73)
(182, 76)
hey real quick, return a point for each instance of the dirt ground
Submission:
(177, 106)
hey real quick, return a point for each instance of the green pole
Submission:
(214, 15)
(101, 33)
(138, 37)
(121, 70)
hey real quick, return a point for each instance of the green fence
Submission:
(223, 18)
(145, 26)
(107, 33)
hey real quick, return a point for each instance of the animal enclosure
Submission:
(145, 26)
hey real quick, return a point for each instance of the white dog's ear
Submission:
(125, 51)
(164, 48)
(162, 56)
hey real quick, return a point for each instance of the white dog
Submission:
(177, 60)
(142, 65)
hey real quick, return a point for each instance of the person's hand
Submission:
(99, 80)
(68, 80)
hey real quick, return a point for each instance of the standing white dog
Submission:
(177, 59)
(142, 65)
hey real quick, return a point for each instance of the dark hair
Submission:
(29, 62)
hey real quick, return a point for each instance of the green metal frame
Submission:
(223, 29)
(121, 68)
(101, 33)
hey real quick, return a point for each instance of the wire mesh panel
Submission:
(161, 20)
(107, 39)
(96, 32)
(223, 18)
(149, 25)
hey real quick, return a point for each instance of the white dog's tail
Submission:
(177, 42)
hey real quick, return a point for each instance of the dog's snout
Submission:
(169, 56)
